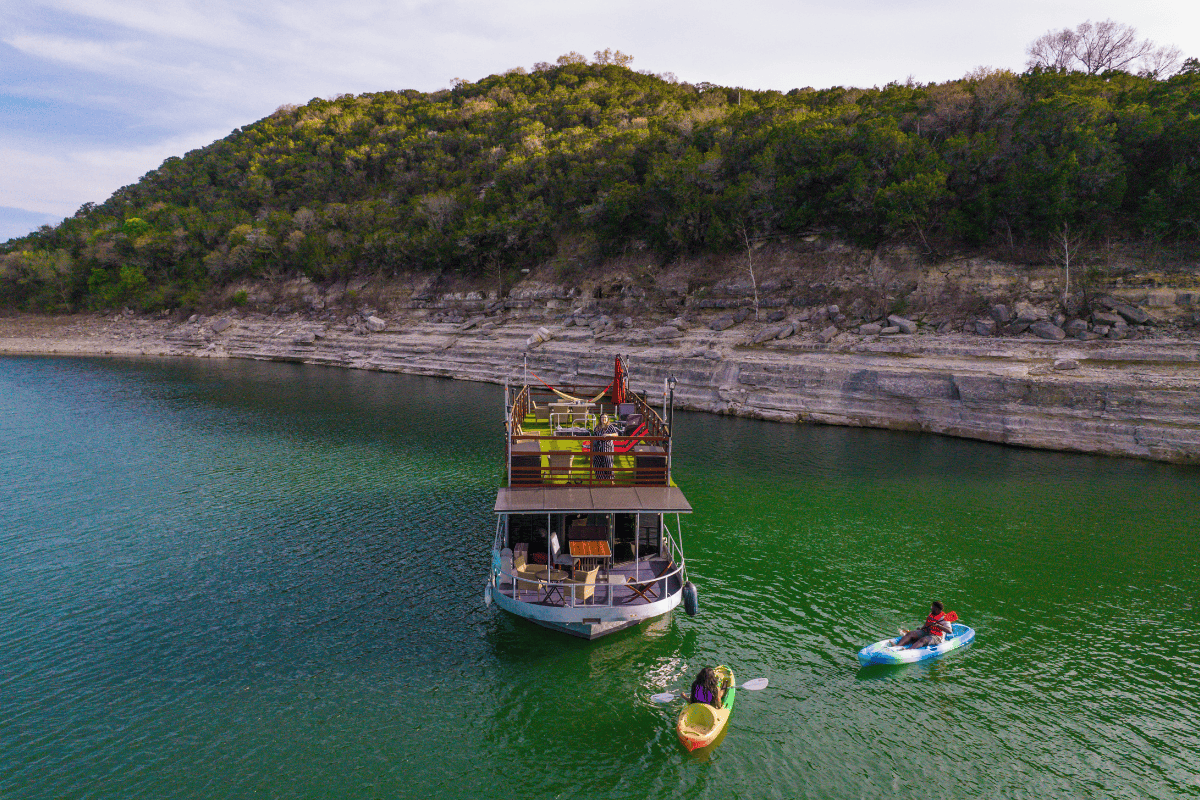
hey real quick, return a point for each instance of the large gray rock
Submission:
(905, 325)
(1016, 326)
(1029, 313)
(870, 329)
(375, 324)
(1134, 315)
(665, 332)
(788, 330)
(985, 327)
(826, 336)
(722, 323)
(1075, 327)
(1047, 330)
(1108, 318)
(767, 334)
(221, 324)
(1001, 314)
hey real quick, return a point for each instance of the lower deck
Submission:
(632, 583)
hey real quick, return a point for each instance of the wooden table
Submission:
(589, 548)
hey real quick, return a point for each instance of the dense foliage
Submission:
(492, 175)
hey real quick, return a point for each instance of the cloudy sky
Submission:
(95, 93)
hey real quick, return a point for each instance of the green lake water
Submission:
(233, 579)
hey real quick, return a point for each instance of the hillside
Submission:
(575, 163)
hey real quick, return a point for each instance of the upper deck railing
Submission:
(544, 451)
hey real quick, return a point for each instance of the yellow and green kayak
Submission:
(700, 724)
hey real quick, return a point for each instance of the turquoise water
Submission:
(242, 579)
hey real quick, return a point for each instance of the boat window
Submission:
(650, 535)
(624, 531)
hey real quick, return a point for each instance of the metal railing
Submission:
(644, 462)
(565, 589)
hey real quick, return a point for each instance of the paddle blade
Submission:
(755, 684)
(665, 697)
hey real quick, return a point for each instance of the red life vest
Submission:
(932, 626)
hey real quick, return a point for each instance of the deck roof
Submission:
(656, 499)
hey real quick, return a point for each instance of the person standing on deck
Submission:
(602, 459)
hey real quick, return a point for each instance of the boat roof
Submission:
(592, 499)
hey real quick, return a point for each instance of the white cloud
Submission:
(59, 181)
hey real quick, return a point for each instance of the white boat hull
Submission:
(587, 622)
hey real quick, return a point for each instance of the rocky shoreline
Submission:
(1090, 393)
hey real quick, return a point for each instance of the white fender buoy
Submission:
(487, 595)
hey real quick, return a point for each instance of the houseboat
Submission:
(588, 543)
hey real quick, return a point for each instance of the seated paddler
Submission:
(707, 688)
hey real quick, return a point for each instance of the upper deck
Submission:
(548, 438)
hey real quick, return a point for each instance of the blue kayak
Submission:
(886, 652)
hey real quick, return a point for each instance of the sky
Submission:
(95, 93)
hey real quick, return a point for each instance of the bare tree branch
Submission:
(1096, 47)
(1053, 50)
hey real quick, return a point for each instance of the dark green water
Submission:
(250, 580)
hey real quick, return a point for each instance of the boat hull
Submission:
(587, 622)
(886, 652)
(699, 724)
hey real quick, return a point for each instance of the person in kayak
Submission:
(707, 688)
(932, 632)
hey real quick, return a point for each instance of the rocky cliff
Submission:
(1132, 397)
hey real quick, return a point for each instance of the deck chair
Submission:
(560, 467)
(585, 584)
(541, 413)
(648, 590)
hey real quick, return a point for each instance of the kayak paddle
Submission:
(754, 685)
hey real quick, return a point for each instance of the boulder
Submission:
(1132, 314)
(471, 323)
(740, 315)
(1000, 313)
(375, 324)
(905, 325)
(767, 334)
(826, 336)
(1066, 364)
(1108, 318)
(776, 316)
(1075, 327)
(788, 330)
(985, 327)
(870, 329)
(665, 332)
(722, 323)
(221, 324)
(1047, 330)
(1029, 313)
(308, 337)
